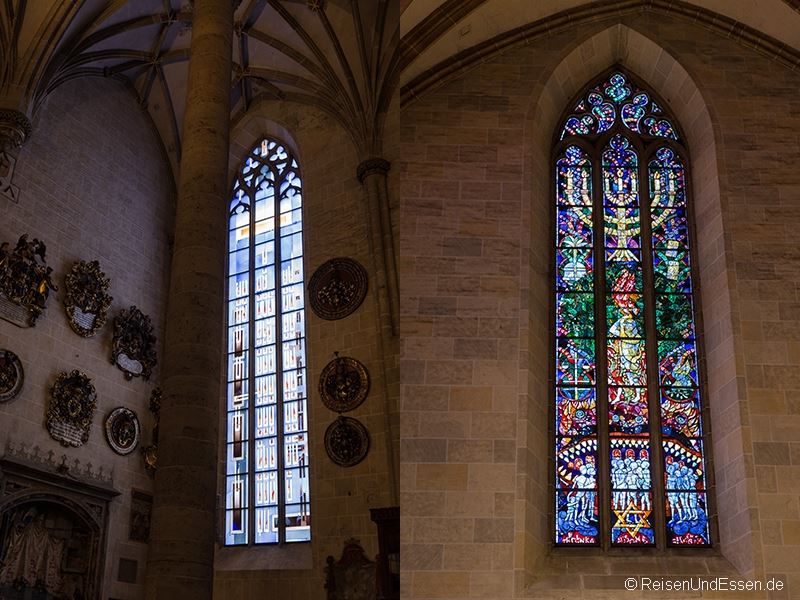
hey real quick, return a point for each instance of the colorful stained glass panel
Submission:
(674, 317)
(574, 229)
(623, 275)
(667, 185)
(631, 498)
(575, 362)
(626, 362)
(625, 315)
(680, 412)
(577, 517)
(672, 273)
(677, 364)
(622, 232)
(575, 315)
(683, 464)
(687, 519)
(669, 228)
(574, 270)
(576, 411)
(627, 411)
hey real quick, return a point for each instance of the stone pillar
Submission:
(372, 175)
(181, 555)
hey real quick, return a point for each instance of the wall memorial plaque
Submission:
(141, 509)
(134, 347)
(11, 375)
(337, 288)
(343, 384)
(346, 441)
(25, 281)
(73, 401)
(122, 430)
(86, 298)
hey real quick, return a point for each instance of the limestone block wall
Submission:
(335, 224)
(475, 269)
(94, 185)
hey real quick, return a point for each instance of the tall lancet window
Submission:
(629, 454)
(267, 478)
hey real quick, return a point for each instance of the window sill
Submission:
(295, 556)
(596, 569)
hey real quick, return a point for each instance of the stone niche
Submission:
(53, 522)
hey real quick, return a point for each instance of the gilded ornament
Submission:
(86, 298)
(337, 288)
(11, 375)
(122, 430)
(150, 453)
(346, 441)
(343, 384)
(25, 281)
(134, 346)
(73, 401)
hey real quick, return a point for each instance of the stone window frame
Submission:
(251, 555)
(645, 150)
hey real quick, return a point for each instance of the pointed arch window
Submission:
(267, 497)
(629, 452)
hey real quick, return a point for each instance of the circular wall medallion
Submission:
(346, 441)
(337, 288)
(343, 384)
(122, 430)
(11, 375)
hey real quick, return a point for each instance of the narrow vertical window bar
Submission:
(280, 175)
(601, 342)
(251, 322)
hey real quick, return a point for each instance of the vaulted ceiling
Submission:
(442, 36)
(337, 55)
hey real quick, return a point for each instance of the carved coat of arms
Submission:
(86, 300)
(134, 348)
(337, 288)
(25, 281)
(11, 375)
(73, 401)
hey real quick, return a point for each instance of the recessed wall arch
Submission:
(622, 45)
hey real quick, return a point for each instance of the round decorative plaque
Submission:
(343, 384)
(346, 441)
(11, 375)
(337, 288)
(122, 430)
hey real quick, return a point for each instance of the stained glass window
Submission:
(267, 479)
(629, 463)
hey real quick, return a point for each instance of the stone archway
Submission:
(627, 47)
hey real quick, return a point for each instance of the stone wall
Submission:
(476, 245)
(335, 224)
(94, 185)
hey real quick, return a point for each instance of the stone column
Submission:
(372, 175)
(181, 555)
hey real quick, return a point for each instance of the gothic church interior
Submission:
(524, 272)
(563, 428)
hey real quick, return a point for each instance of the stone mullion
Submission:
(181, 554)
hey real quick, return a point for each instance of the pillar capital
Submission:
(371, 166)
(15, 128)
